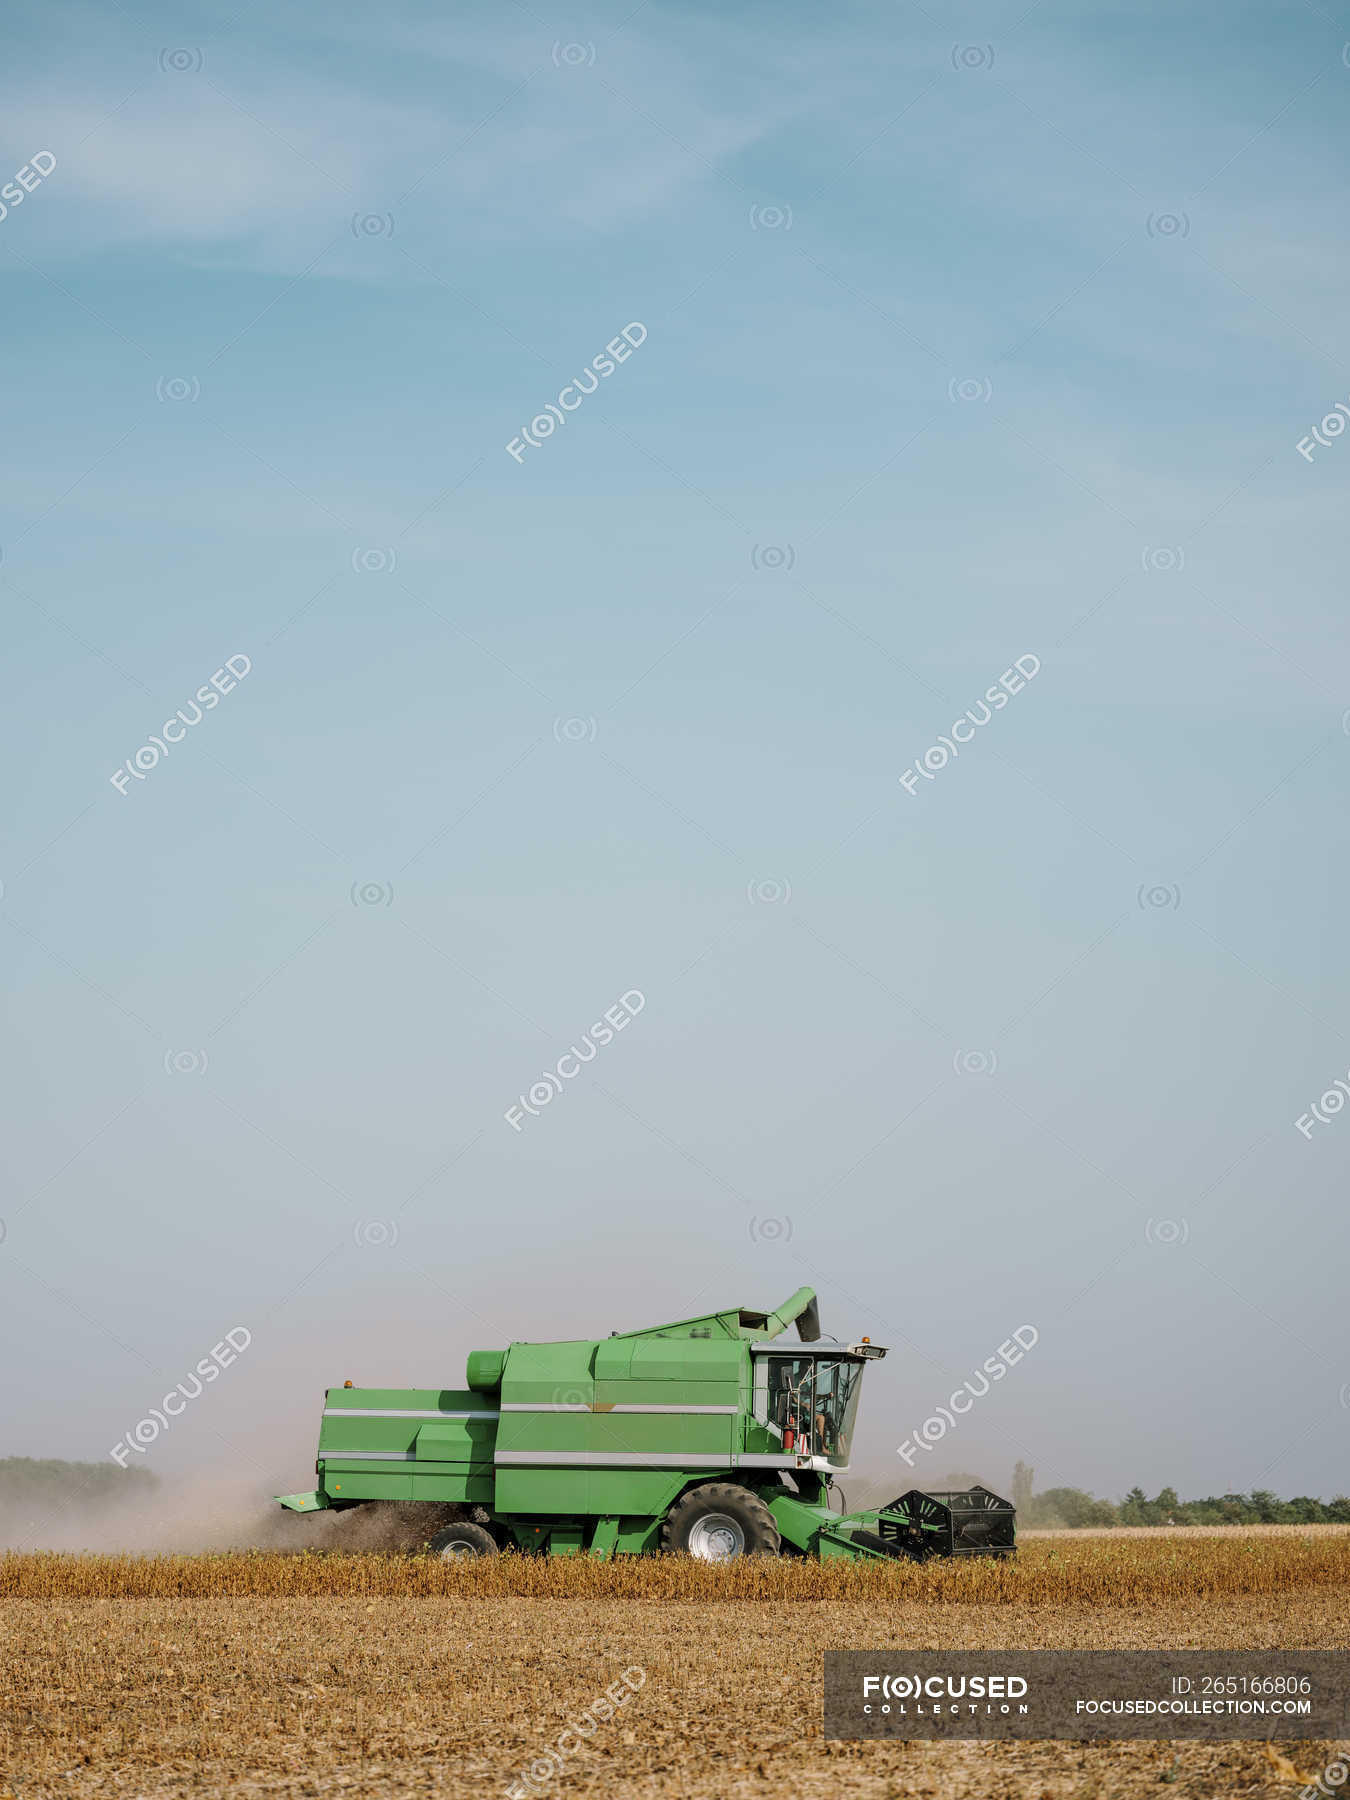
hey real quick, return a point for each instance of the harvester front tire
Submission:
(463, 1538)
(719, 1521)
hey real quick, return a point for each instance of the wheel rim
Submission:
(450, 1552)
(716, 1537)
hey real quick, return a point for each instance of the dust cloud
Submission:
(197, 1515)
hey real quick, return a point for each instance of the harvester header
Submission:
(709, 1435)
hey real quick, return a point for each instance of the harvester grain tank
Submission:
(709, 1436)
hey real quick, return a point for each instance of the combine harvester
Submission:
(707, 1436)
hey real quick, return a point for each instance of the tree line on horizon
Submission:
(1073, 1507)
(34, 1481)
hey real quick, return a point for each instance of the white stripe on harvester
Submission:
(621, 1459)
(376, 1412)
(367, 1456)
(603, 1407)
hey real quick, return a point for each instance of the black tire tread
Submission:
(464, 1531)
(761, 1534)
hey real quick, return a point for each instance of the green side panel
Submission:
(457, 1441)
(545, 1487)
(558, 1377)
(558, 1374)
(476, 1483)
(644, 1493)
(629, 1493)
(368, 1481)
(543, 1490)
(483, 1371)
(637, 1536)
(534, 1432)
(612, 1357)
(662, 1434)
(800, 1525)
(402, 1444)
(347, 1424)
(658, 1391)
(687, 1359)
(604, 1538)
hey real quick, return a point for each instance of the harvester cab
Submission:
(807, 1397)
(708, 1435)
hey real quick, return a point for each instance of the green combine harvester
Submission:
(707, 1436)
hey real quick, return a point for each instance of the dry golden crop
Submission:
(1046, 1572)
(285, 1676)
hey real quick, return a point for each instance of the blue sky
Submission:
(971, 334)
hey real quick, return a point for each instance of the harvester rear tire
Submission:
(718, 1521)
(463, 1538)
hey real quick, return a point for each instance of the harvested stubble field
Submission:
(279, 1674)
